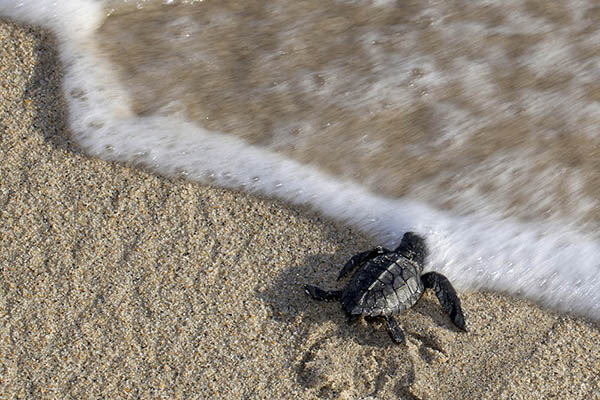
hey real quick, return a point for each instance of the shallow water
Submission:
(473, 123)
(463, 105)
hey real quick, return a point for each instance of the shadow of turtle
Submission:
(288, 301)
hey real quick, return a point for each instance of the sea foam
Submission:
(551, 262)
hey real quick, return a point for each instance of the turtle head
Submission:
(413, 247)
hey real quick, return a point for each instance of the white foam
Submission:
(549, 262)
(68, 19)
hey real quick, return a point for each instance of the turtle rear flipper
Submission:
(323, 295)
(447, 297)
(394, 330)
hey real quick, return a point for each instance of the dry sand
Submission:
(117, 283)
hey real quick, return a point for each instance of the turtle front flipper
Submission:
(447, 297)
(394, 330)
(320, 294)
(360, 259)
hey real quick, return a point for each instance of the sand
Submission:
(116, 283)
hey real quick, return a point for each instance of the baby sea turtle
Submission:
(389, 282)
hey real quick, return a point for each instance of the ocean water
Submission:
(475, 123)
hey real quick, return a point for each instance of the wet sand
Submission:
(117, 283)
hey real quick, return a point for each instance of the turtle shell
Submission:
(386, 285)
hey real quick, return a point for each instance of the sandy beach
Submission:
(117, 283)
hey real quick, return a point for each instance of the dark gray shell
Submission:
(386, 285)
